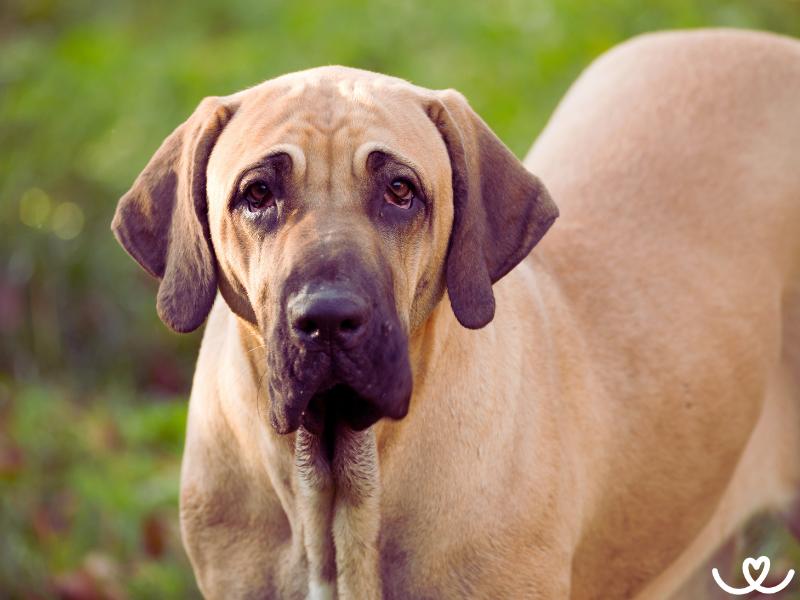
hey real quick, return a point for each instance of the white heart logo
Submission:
(759, 566)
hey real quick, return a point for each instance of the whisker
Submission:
(256, 348)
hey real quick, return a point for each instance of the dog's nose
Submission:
(329, 315)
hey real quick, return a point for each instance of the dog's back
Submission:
(675, 161)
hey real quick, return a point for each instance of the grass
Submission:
(89, 495)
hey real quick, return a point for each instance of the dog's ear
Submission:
(162, 220)
(500, 209)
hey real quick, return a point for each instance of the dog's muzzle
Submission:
(339, 354)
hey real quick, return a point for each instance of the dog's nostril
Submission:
(308, 327)
(349, 325)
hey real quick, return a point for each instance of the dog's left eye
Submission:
(258, 196)
(401, 193)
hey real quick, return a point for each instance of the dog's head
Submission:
(332, 209)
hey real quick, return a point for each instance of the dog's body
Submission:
(633, 401)
(674, 161)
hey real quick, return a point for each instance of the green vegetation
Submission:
(88, 495)
(92, 386)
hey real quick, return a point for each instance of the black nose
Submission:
(328, 315)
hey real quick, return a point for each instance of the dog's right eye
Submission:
(400, 193)
(258, 196)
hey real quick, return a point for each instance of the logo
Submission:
(759, 566)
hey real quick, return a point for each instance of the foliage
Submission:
(88, 495)
(87, 92)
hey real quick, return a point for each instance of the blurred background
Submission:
(93, 388)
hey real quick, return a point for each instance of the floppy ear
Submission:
(162, 220)
(500, 209)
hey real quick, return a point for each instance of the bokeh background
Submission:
(93, 388)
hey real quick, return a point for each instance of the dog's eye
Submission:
(400, 193)
(258, 196)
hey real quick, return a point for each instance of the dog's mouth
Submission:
(353, 388)
(339, 403)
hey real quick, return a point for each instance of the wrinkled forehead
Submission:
(329, 119)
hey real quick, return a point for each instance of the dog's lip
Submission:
(283, 426)
(312, 418)
(338, 402)
(342, 403)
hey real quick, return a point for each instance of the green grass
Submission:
(89, 493)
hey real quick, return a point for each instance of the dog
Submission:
(396, 398)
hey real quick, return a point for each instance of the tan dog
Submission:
(633, 401)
